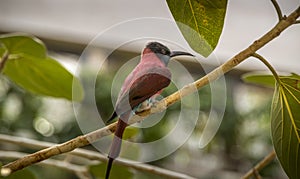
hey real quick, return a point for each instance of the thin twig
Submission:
(68, 146)
(3, 60)
(24, 142)
(278, 10)
(262, 164)
(91, 155)
(162, 105)
(256, 174)
(50, 162)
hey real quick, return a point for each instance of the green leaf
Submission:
(43, 76)
(285, 118)
(23, 44)
(285, 124)
(260, 79)
(30, 67)
(200, 22)
(267, 80)
(116, 172)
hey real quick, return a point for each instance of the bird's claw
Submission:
(146, 105)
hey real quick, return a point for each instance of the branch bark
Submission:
(78, 169)
(162, 105)
(91, 155)
(260, 165)
(3, 60)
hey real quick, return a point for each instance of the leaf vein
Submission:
(290, 115)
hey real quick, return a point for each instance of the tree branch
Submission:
(262, 164)
(91, 155)
(80, 170)
(3, 60)
(162, 105)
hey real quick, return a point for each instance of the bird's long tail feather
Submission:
(117, 141)
(109, 164)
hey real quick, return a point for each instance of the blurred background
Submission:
(68, 26)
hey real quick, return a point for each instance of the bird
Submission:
(147, 79)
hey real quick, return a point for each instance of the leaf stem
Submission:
(262, 164)
(278, 10)
(3, 60)
(262, 59)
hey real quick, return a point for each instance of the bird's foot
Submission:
(146, 105)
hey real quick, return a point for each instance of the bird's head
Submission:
(163, 52)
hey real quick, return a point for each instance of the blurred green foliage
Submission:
(18, 113)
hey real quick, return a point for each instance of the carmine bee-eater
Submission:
(147, 79)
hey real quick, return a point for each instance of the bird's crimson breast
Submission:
(143, 87)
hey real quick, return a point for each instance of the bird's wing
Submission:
(143, 87)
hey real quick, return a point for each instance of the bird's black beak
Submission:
(178, 53)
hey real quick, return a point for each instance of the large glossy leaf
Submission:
(45, 77)
(200, 22)
(285, 118)
(285, 124)
(29, 66)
